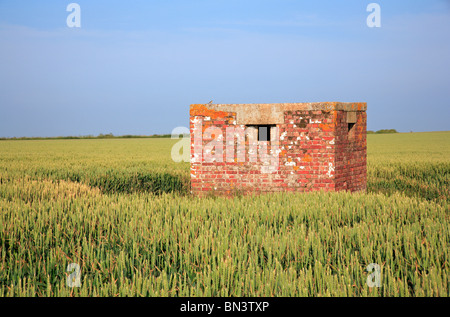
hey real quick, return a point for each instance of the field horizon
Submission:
(135, 136)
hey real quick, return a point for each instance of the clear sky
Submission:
(134, 67)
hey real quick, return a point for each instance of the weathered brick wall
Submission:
(351, 152)
(314, 151)
(307, 151)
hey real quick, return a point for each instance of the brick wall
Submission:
(314, 150)
(351, 153)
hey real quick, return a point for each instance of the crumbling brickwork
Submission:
(312, 146)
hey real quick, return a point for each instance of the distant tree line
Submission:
(100, 136)
(382, 131)
(132, 136)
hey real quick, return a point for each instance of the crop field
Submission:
(120, 210)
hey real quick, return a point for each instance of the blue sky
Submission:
(134, 67)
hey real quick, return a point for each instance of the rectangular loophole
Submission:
(350, 127)
(264, 132)
(352, 118)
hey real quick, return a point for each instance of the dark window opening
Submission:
(263, 132)
(350, 126)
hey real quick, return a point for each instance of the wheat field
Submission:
(121, 212)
